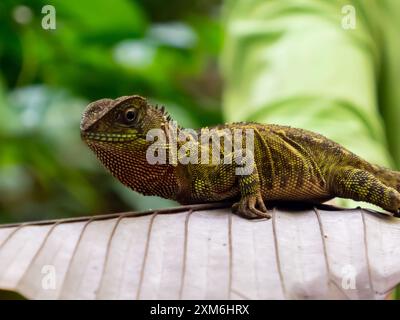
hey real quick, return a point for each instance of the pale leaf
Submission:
(204, 252)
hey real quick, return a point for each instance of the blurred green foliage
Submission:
(167, 52)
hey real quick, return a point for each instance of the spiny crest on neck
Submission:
(164, 112)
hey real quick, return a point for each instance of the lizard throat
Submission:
(128, 163)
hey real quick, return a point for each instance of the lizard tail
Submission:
(389, 177)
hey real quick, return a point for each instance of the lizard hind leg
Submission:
(361, 185)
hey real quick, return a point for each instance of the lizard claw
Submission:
(246, 207)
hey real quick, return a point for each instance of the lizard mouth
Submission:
(108, 137)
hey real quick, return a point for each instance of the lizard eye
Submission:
(130, 115)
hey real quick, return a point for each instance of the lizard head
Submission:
(126, 119)
(116, 132)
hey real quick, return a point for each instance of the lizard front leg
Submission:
(251, 204)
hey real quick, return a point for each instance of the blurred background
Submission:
(286, 62)
(165, 51)
(328, 66)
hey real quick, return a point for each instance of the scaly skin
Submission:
(290, 164)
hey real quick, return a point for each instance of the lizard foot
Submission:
(246, 207)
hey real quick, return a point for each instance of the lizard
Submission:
(289, 164)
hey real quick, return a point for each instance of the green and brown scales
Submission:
(290, 164)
